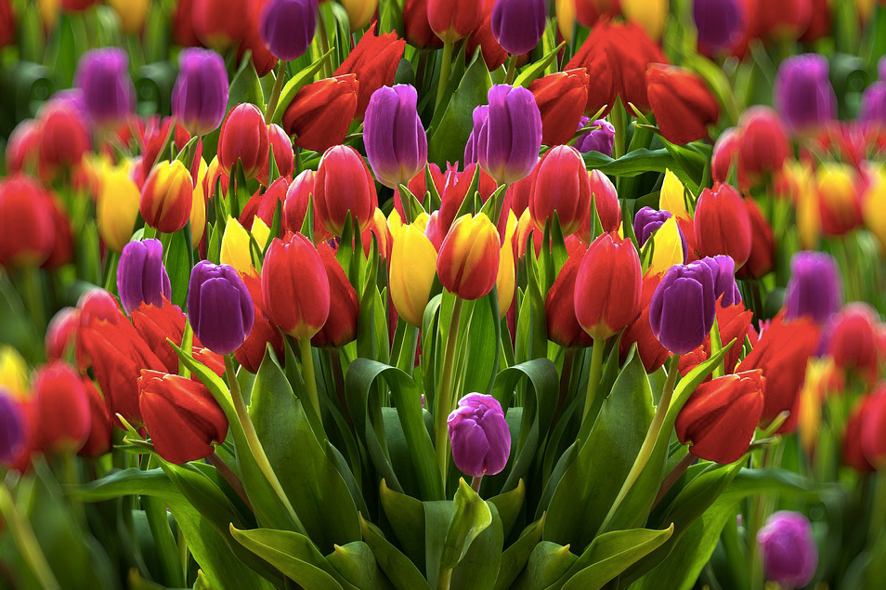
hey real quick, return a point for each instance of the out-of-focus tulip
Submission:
(360, 12)
(64, 140)
(853, 453)
(720, 24)
(783, 20)
(560, 185)
(562, 324)
(469, 257)
(244, 137)
(220, 23)
(26, 226)
(380, 233)
(252, 351)
(132, 14)
(815, 289)
(263, 60)
(682, 309)
(141, 276)
(651, 16)
(412, 272)
(453, 20)
(596, 140)
(287, 27)
(23, 146)
(343, 183)
(14, 428)
(873, 104)
(762, 258)
(374, 61)
(7, 24)
(561, 98)
(118, 206)
(167, 197)
(295, 207)
(820, 21)
(417, 28)
(220, 309)
(62, 408)
(396, 142)
(874, 205)
(873, 439)
(589, 11)
(505, 281)
(108, 93)
(639, 332)
(681, 102)
(852, 340)
(341, 325)
(838, 187)
(763, 146)
(236, 246)
(803, 93)
(720, 417)
(321, 113)
(606, 203)
(509, 140)
(725, 153)
(101, 428)
(722, 224)
(295, 287)
(182, 25)
(608, 286)
(519, 24)
(200, 95)
(479, 435)
(61, 332)
(790, 555)
(182, 417)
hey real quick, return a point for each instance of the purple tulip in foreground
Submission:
(396, 142)
(220, 308)
(478, 432)
(141, 276)
(508, 142)
(681, 313)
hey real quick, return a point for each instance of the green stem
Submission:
(307, 368)
(26, 541)
(512, 70)
(594, 380)
(716, 345)
(618, 121)
(324, 46)
(445, 67)
(445, 578)
(111, 272)
(34, 297)
(278, 88)
(475, 483)
(443, 402)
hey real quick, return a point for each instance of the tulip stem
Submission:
(444, 580)
(26, 541)
(307, 368)
(226, 472)
(594, 381)
(443, 403)
(512, 69)
(618, 121)
(475, 483)
(278, 88)
(445, 67)
(34, 297)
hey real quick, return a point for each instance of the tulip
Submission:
(560, 185)
(682, 309)
(455, 191)
(167, 196)
(101, 429)
(236, 246)
(321, 113)
(681, 102)
(374, 61)
(380, 233)
(263, 205)
(284, 157)
(803, 92)
(141, 276)
(26, 227)
(64, 140)
(606, 203)
(873, 442)
(153, 139)
(649, 15)
(790, 555)
(873, 104)
(784, 20)
(725, 153)
(341, 325)
(108, 93)
(815, 289)
(853, 453)
(343, 184)
(720, 24)
(295, 287)
(14, 372)
(244, 137)
(722, 224)
(733, 323)
(396, 143)
(763, 146)
(673, 196)
(494, 55)
(720, 417)
(61, 332)
(200, 95)
(360, 12)
(505, 280)
(469, 257)
(479, 435)
(646, 221)
(219, 23)
(561, 98)
(182, 25)
(220, 309)
(295, 206)
(837, 186)
(198, 205)
(519, 193)
(263, 60)
(669, 247)
(252, 352)
(874, 205)
(519, 24)
(118, 207)
(562, 324)
(510, 138)
(62, 408)
(479, 116)
(416, 26)
(14, 428)
(181, 415)
(287, 27)
(596, 140)
(7, 25)
(94, 305)
(453, 20)
(723, 274)
(852, 341)
(132, 14)
(412, 272)
(23, 145)
(762, 258)
(158, 323)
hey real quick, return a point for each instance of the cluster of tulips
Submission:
(443, 294)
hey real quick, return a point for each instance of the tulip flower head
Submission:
(200, 95)
(320, 114)
(396, 143)
(723, 273)
(681, 312)
(519, 24)
(287, 27)
(167, 196)
(453, 20)
(479, 434)
(596, 140)
(722, 224)
(108, 93)
(62, 408)
(815, 289)
(412, 272)
(26, 228)
(14, 429)
(61, 332)
(561, 97)
(468, 262)
(803, 92)
(342, 185)
(560, 185)
(244, 137)
(681, 102)
(341, 324)
(790, 555)
(720, 24)
(510, 138)
(374, 62)
(141, 276)
(220, 309)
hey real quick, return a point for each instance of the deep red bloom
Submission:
(183, 26)
(61, 332)
(343, 184)
(7, 24)
(26, 222)
(374, 60)
(563, 326)
(63, 139)
(62, 408)
(493, 53)
(722, 224)
(561, 97)
(295, 207)
(244, 137)
(252, 351)
(681, 102)
(341, 325)
(853, 452)
(264, 204)
(785, 19)
(763, 146)
(561, 185)
(454, 19)
(321, 113)
(220, 23)
(263, 60)
(284, 157)
(606, 203)
(725, 152)
(762, 258)
(853, 340)
(416, 26)
(651, 352)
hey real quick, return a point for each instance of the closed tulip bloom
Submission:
(646, 221)
(803, 92)
(252, 352)
(479, 116)
(62, 408)
(236, 246)
(720, 24)
(412, 272)
(723, 273)
(720, 417)
(321, 113)
(561, 98)
(873, 104)
(263, 205)
(763, 146)
(108, 93)
(783, 20)
(722, 224)
(852, 340)
(519, 24)
(416, 26)
(681, 102)
(681, 312)
(157, 323)
(263, 60)
(562, 324)
(23, 145)
(815, 289)
(14, 428)
(871, 433)
(295, 206)
(101, 428)
(244, 137)
(141, 276)
(341, 325)
(64, 140)
(560, 185)
(167, 196)
(874, 204)
(790, 555)
(608, 286)
(670, 247)
(453, 20)
(61, 332)
(374, 61)
(182, 417)
(725, 153)
(673, 196)
(762, 258)
(468, 261)
(509, 141)
(26, 227)
(287, 27)
(295, 287)
(220, 309)
(605, 199)
(284, 156)
(838, 188)
(596, 140)
(118, 206)
(220, 23)
(200, 95)
(479, 435)
(396, 142)
(343, 184)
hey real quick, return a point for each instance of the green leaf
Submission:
(537, 69)
(406, 516)
(396, 566)
(479, 567)
(179, 264)
(356, 564)
(509, 506)
(547, 563)
(515, 557)
(471, 518)
(634, 163)
(296, 83)
(246, 86)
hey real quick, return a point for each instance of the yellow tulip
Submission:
(667, 249)
(874, 207)
(819, 372)
(236, 246)
(13, 371)
(359, 12)
(649, 15)
(506, 280)
(672, 196)
(413, 267)
(198, 207)
(565, 10)
(117, 208)
(865, 9)
(132, 14)
(49, 11)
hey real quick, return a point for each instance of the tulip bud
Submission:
(606, 203)
(453, 20)
(479, 435)
(62, 408)
(838, 188)
(236, 246)
(416, 26)
(505, 280)
(725, 153)
(295, 206)
(182, 417)
(722, 224)
(287, 27)
(720, 24)
(815, 289)
(396, 143)
(167, 197)
(783, 20)
(14, 428)
(284, 157)
(669, 248)
(596, 140)
(219, 23)
(468, 261)
(562, 324)
(853, 340)
(219, 307)
(762, 258)
(118, 207)
(803, 93)
(561, 99)
(343, 184)
(360, 12)
(560, 185)
(64, 139)
(681, 102)
(61, 332)
(682, 309)
(101, 429)
(320, 114)
(374, 61)
(108, 93)
(506, 152)
(608, 286)
(871, 435)
(763, 146)
(26, 227)
(412, 272)
(141, 276)
(519, 24)
(23, 146)
(200, 95)
(244, 137)
(790, 555)
(873, 104)
(295, 287)
(720, 417)
(341, 325)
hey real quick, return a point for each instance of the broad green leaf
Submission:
(407, 518)
(537, 69)
(547, 563)
(480, 565)
(246, 86)
(356, 564)
(472, 516)
(396, 566)
(515, 557)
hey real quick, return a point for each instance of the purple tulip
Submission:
(478, 432)
(881, 68)
(286, 27)
(108, 93)
(790, 555)
(509, 140)
(518, 25)
(141, 276)
(597, 140)
(681, 312)
(720, 24)
(723, 272)
(396, 142)
(200, 96)
(873, 104)
(815, 289)
(803, 93)
(646, 221)
(481, 113)
(220, 308)
(13, 428)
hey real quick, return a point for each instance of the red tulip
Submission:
(853, 452)
(725, 153)
(62, 408)
(374, 61)
(873, 433)
(468, 262)
(220, 23)
(651, 352)
(561, 97)
(321, 113)
(763, 146)
(853, 340)
(244, 137)
(456, 190)
(733, 322)
(519, 193)
(681, 102)
(453, 20)
(167, 197)
(418, 186)
(63, 139)
(183, 26)
(23, 146)
(61, 332)
(563, 326)
(561, 185)
(152, 138)
(606, 203)
(722, 224)
(252, 351)
(264, 205)
(343, 183)
(587, 12)
(341, 325)
(295, 207)
(416, 26)
(762, 258)
(819, 23)
(157, 323)
(284, 157)
(101, 429)
(26, 224)
(786, 19)
(7, 24)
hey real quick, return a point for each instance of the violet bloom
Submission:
(790, 555)
(396, 142)
(509, 140)
(13, 428)
(720, 24)
(200, 95)
(648, 220)
(220, 308)
(723, 272)
(873, 104)
(815, 289)
(108, 93)
(478, 432)
(518, 25)
(286, 27)
(681, 312)
(141, 276)
(596, 140)
(480, 114)
(803, 93)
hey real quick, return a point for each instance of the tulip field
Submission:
(442, 294)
